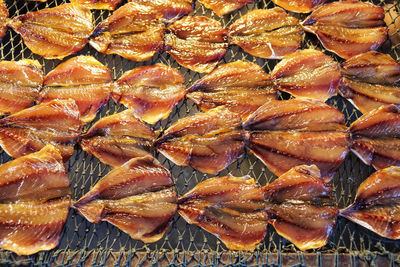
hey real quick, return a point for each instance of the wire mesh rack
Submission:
(84, 243)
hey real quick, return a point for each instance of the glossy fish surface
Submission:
(299, 6)
(267, 33)
(375, 137)
(376, 206)
(229, 207)
(3, 19)
(240, 86)
(284, 134)
(57, 32)
(370, 80)
(133, 31)
(83, 79)
(307, 73)
(223, 7)
(171, 10)
(20, 83)
(150, 91)
(348, 28)
(117, 138)
(98, 4)
(208, 142)
(139, 198)
(56, 122)
(300, 207)
(197, 43)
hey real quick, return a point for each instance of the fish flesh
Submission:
(285, 134)
(348, 28)
(370, 80)
(307, 73)
(133, 31)
(299, 6)
(171, 10)
(57, 32)
(117, 138)
(20, 83)
(56, 122)
(197, 43)
(375, 137)
(208, 142)
(267, 33)
(231, 208)
(83, 79)
(150, 91)
(377, 203)
(225, 86)
(223, 7)
(301, 207)
(98, 4)
(3, 19)
(138, 198)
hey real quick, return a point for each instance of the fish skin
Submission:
(225, 86)
(98, 4)
(138, 197)
(357, 27)
(117, 138)
(57, 32)
(172, 10)
(3, 19)
(150, 91)
(56, 122)
(133, 31)
(223, 7)
(267, 33)
(376, 206)
(299, 6)
(231, 208)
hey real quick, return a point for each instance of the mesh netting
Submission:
(100, 244)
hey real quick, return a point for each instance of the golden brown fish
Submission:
(307, 73)
(267, 33)
(299, 6)
(133, 31)
(377, 203)
(375, 137)
(301, 207)
(138, 197)
(197, 43)
(208, 142)
(20, 82)
(229, 207)
(370, 80)
(225, 86)
(57, 32)
(348, 28)
(56, 122)
(172, 10)
(285, 134)
(83, 79)
(223, 7)
(3, 19)
(151, 91)
(117, 138)
(98, 4)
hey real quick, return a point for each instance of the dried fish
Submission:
(223, 7)
(98, 4)
(3, 19)
(172, 10)
(299, 6)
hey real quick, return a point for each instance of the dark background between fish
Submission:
(83, 242)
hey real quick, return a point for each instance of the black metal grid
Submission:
(184, 244)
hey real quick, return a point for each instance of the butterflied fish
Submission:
(138, 197)
(208, 142)
(117, 138)
(348, 28)
(267, 33)
(151, 91)
(371, 80)
(375, 137)
(56, 122)
(301, 207)
(20, 82)
(299, 6)
(285, 134)
(98, 4)
(377, 203)
(3, 19)
(307, 73)
(83, 79)
(229, 207)
(226, 86)
(197, 43)
(223, 7)
(57, 32)
(133, 31)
